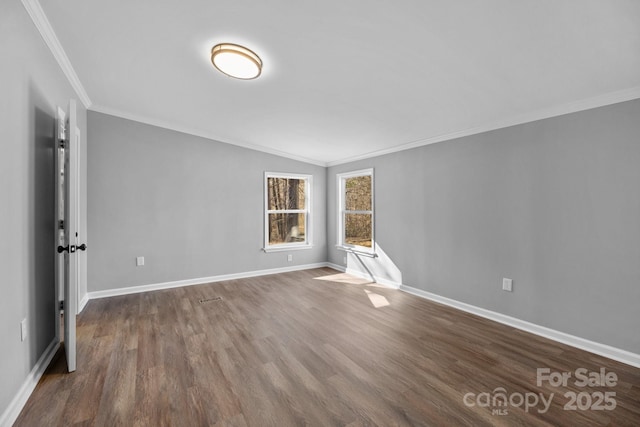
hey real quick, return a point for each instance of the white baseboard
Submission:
(336, 266)
(614, 353)
(199, 281)
(83, 303)
(386, 282)
(10, 414)
(379, 280)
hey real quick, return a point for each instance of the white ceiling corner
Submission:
(346, 80)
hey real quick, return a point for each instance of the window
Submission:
(287, 207)
(355, 220)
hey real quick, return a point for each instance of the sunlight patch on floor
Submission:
(377, 300)
(344, 278)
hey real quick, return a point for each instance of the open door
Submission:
(59, 214)
(68, 198)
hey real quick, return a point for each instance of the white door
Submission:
(70, 245)
(60, 202)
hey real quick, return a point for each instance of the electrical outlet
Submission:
(507, 285)
(289, 257)
(23, 330)
(139, 261)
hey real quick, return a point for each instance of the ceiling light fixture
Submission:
(236, 61)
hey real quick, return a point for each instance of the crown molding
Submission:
(46, 31)
(34, 9)
(555, 111)
(199, 133)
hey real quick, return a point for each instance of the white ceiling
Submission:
(343, 79)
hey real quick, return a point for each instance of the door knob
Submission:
(82, 247)
(63, 248)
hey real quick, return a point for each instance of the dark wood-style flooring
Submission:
(314, 347)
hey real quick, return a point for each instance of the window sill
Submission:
(370, 254)
(287, 248)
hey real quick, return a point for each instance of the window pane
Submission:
(358, 193)
(286, 228)
(357, 229)
(285, 193)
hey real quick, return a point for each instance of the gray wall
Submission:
(191, 206)
(553, 204)
(32, 86)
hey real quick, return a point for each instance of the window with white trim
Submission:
(355, 218)
(287, 207)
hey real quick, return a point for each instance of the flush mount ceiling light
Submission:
(236, 61)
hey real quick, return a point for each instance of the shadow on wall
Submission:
(380, 269)
(40, 179)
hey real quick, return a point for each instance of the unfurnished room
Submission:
(338, 213)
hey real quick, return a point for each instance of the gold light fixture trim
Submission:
(236, 61)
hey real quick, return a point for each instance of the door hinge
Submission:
(61, 143)
(61, 224)
(61, 305)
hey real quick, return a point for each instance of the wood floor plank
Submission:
(309, 348)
